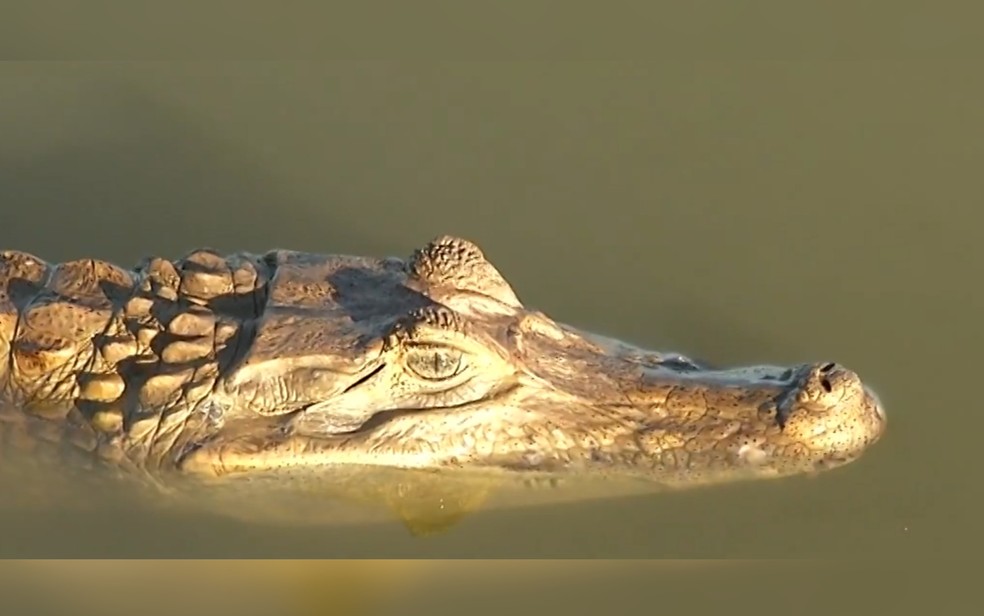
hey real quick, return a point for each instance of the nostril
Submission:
(827, 368)
(825, 383)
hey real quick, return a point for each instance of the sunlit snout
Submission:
(832, 413)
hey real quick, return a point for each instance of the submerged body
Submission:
(291, 364)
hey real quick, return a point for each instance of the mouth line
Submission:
(362, 380)
(377, 419)
(833, 461)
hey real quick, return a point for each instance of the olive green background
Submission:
(739, 211)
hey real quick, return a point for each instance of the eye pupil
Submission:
(433, 363)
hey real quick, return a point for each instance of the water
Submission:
(736, 212)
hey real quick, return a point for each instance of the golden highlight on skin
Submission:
(230, 365)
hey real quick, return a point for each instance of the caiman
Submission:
(414, 382)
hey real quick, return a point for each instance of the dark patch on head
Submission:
(373, 294)
(770, 409)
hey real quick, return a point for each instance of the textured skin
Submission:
(219, 365)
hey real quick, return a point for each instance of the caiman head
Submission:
(434, 363)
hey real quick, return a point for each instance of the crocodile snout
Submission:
(832, 412)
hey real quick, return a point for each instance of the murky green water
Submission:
(737, 212)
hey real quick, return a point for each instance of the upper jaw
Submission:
(631, 389)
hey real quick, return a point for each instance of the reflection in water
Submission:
(310, 588)
(438, 588)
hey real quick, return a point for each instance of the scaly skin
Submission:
(263, 364)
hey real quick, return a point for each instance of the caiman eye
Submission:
(434, 363)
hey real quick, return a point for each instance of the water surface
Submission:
(736, 212)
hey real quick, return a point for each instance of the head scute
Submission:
(453, 264)
(435, 316)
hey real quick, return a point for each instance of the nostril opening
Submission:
(825, 383)
(828, 367)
